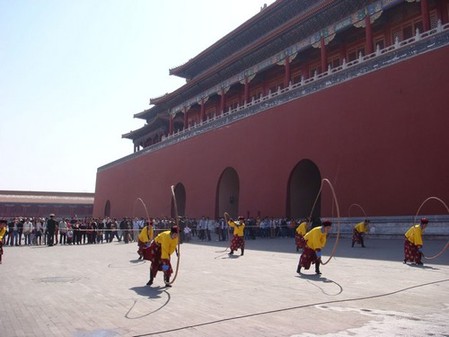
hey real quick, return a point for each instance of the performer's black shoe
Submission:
(405, 261)
(140, 257)
(420, 264)
(298, 270)
(167, 281)
(150, 282)
(231, 252)
(317, 272)
(242, 252)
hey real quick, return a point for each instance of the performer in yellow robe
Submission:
(160, 250)
(315, 242)
(2, 235)
(359, 232)
(144, 240)
(301, 230)
(413, 242)
(238, 240)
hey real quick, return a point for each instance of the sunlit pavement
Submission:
(99, 290)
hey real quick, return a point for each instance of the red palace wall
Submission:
(381, 139)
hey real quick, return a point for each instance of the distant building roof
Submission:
(33, 197)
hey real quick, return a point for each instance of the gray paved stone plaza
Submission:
(99, 290)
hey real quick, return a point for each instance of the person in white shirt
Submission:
(63, 231)
(211, 226)
(202, 226)
(38, 231)
(187, 233)
(27, 229)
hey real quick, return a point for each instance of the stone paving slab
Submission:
(100, 291)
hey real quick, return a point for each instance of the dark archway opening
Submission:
(107, 209)
(303, 187)
(180, 194)
(228, 190)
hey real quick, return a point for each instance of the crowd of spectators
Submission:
(74, 231)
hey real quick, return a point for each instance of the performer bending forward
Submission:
(144, 240)
(413, 243)
(159, 254)
(238, 240)
(2, 235)
(301, 230)
(315, 241)
(359, 232)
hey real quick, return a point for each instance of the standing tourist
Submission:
(12, 229)
(27, 230)
(63, 231)
(38, 231)
(19, 232)
(100, 229)
(51, 229)
(210, 228)
(202, 225)
(222, 227)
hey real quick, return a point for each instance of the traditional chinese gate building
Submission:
(352, 91)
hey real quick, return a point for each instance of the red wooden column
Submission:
(287, 72)
(222, 94)
(246, 92)
(186, 121)
(425, 15)
(368, 35)
(323, 56)
(305, 72)
(170, 125)
(264, 88)
(202, 110)
(444, 12)
(343, 53)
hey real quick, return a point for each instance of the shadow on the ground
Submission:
(376, 248)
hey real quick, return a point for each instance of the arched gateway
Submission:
(180, 194)
(107, 209)
(228, 193)
(303, 187)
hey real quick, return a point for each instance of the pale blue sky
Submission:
(74, 72)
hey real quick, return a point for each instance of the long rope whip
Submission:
(338, 215)
(144, 206)
(226, 217)
(356, 205)
(179, 241)
(414, 221)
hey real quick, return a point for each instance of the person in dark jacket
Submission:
(51, 229)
